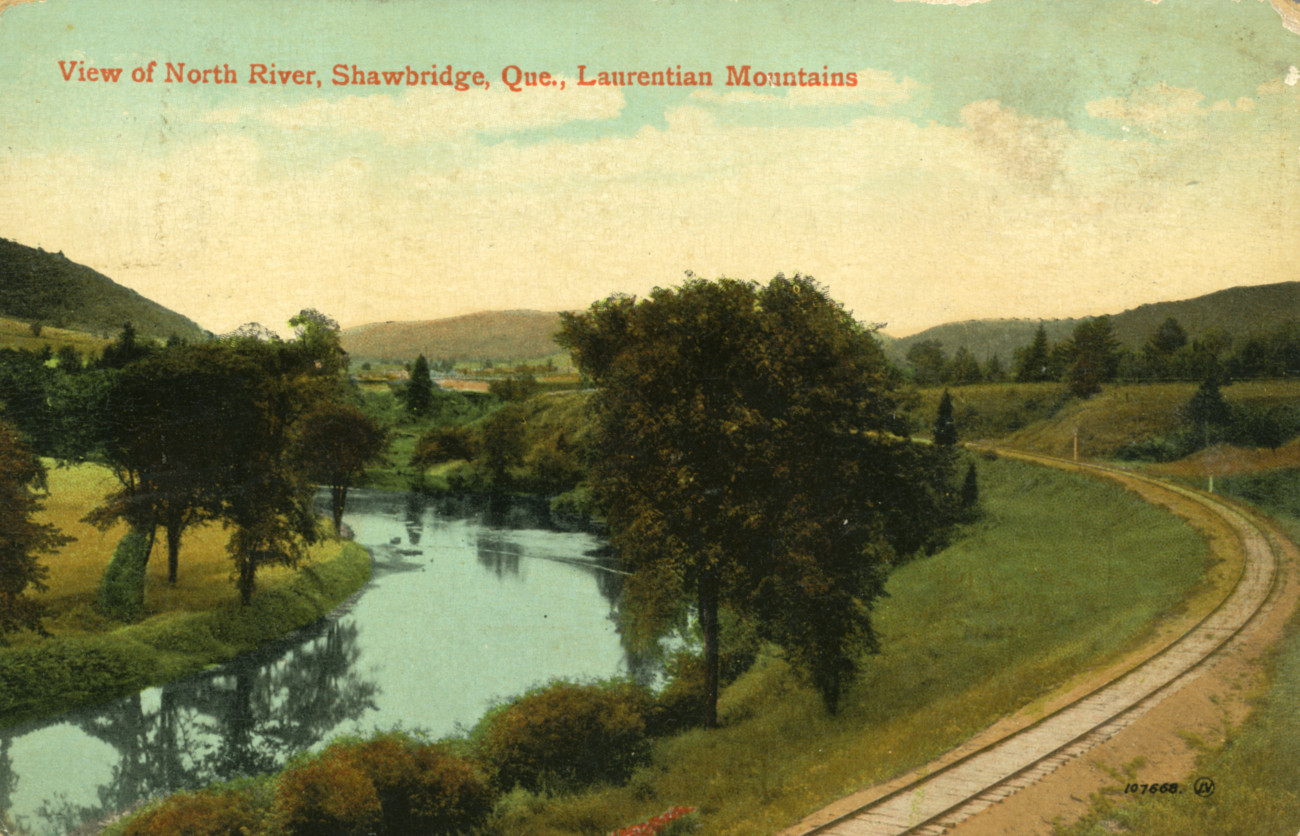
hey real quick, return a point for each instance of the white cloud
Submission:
(1149, 106)
(905, 222)
(423, 113)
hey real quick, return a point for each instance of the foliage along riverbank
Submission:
(187, 626)
(1008, 612)
(66, 672)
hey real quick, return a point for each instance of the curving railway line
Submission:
(958, 790)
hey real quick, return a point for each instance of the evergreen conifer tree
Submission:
(419, 392)
(945, 428)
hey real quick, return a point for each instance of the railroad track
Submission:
(953, 793)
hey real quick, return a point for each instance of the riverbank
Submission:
(1001, 618)
(89, 658)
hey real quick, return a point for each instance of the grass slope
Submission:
(187, 627)
(36, 286)
(18, 335)
(1040, 417)
(994, 622)
(1255, 768)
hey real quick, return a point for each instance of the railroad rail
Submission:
(952, 793)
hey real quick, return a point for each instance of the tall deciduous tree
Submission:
(335, 444)
(181, 423)
(318, 338)
(22, 540)
(750, 455)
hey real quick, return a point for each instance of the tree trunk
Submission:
(247, 576)
(339, 493)
(708, 603)
(144, 563)
(175, 528)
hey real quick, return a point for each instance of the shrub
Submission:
(60, 673)
(566, 736)
(399, 787)
(1258, 427)
(1152, 450)
(575, 503)
(444, 444)
(680, 705)
(121, 591)
(421, 788)
(204, 813)
(328, 796)
(449, 795)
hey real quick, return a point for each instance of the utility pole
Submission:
(1076, 444)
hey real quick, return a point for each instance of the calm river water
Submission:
(471, 600)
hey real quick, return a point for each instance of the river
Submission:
(471, 600)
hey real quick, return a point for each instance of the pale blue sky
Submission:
(1011, 157)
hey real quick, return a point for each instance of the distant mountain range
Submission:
(516, 335)
(47, 288)
(495, 336)
(1239, 311)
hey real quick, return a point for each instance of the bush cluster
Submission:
(211, 812)
(1239, 424)
(68, 672)
(75, 671)
(389, 785)
(567, 735)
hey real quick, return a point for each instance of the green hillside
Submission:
(987, 337)
(495, 336)
(1043, 418)
(47, 288)
(1240, 311)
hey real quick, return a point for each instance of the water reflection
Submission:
(472, 599)
(205, 729)
(498, 554)
(414, 512)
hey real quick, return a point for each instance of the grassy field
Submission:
(185, 627)
(1041, 418)
(1255, 768)
(998, 620)
(15, 334)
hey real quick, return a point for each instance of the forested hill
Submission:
(1239, 311)
(47, 288)
(497, 336)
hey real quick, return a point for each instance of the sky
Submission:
(1006, 158)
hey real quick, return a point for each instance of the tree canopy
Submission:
(181, 423)
(204, 432)
(1094, 355)
(1032, 363)
(751, 454)
(335, 444)
(22, 540)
